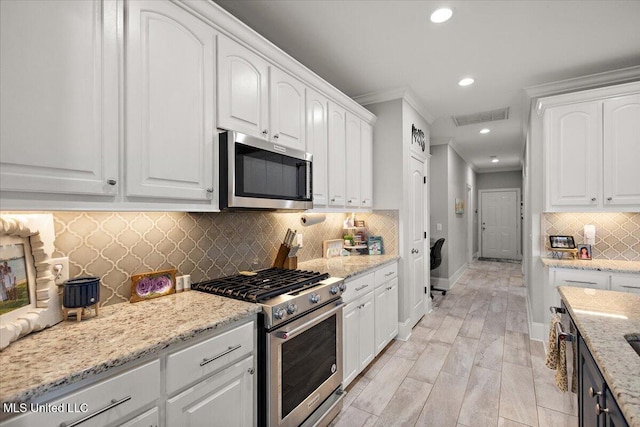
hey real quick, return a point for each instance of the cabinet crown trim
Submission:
(587, 95)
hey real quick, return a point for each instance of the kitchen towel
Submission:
(557, 355)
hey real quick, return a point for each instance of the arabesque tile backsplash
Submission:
(617, 234)
(115, 245)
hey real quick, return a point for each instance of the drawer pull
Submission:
(113, 404)
(630, 287)
(389, 274)
(359, 288)
(594, 393)
(224, 353)
(562, 335)
(579, 281)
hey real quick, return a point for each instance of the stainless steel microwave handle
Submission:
(309, 173)
(288, 334)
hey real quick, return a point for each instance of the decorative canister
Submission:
(81, 292)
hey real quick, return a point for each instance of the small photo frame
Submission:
(562, 242)
(359, 223)
(584, 252)
(375, 245)
(152, 285)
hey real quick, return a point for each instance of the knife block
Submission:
(291, 263)
(281, 257)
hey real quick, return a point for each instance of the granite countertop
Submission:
(611, 265)
(347, 266)
(72, 351)
(604, 335)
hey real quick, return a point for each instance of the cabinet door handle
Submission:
(210, 190)
(224, 353)
(264, 132)
(594, 393)
(593, 199)
(579, 281)
(333, 200)
(389, 274)
(609, 199)
(600, 409)
(276, 136)
(359, 288)
(112, 181)
(630, 287)
(113, 404)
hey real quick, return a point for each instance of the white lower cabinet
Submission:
(386, 309)
(224, 399)
(108, 402)
(625, 283)
(358, 338)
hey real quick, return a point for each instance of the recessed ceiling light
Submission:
(485, 130)
(441, 15)
(466, 81)
(494, 159)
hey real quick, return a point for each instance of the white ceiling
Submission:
(371, 46)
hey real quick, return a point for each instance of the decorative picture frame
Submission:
(584, 252)
(459, 206)
(359, 223)
(562, 242)
(36, 233)
(375, 245)
(151, 285)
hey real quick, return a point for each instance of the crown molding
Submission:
(396, 93)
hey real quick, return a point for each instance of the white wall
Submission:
(450, 176)
(387, 154)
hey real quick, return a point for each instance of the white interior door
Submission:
(416, 238)
(499, 224)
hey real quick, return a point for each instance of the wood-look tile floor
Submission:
(469, 362)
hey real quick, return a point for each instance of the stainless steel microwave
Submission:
(257, 174)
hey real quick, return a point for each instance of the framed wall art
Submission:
(459, 206)
(29, 298)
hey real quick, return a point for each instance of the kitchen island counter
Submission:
(71, 351)
(603, 319)
(349, 266)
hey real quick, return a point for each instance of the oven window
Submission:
(308, 360)
(265, 174)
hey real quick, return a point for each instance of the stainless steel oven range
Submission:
(299, 343)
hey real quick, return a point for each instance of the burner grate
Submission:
(266, 284)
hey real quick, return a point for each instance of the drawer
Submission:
(625, 283)
(150, 418)
(196, 362)
(582, 279)
(358, 287)
(110, 400)
(386, 273)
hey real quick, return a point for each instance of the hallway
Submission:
(468, 363)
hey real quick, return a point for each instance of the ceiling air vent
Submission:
(485, 116)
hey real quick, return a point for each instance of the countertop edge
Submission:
(611, 266)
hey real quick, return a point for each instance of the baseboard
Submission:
(453, 279)
(538, 332)
(439, 282)
(448, 283)
(404, 330)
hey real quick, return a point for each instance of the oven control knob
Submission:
(314, 298)
(279, 313)
(334, 290)
(342, 286)
(292, 308)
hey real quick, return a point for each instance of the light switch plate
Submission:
(60, 269)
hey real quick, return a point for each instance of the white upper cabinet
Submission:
(243, 87)
(592, 143)
(317, 143)
(258, 99)
(287, 110)
(574, 142)
(353, 160)
(366, 165)
(59, 103)
(622, 151)
(337, 153)
(170, 102)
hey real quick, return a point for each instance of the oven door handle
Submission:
(289, 334)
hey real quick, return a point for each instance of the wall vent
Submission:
(485, 116)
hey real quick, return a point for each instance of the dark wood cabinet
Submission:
(597, 406)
